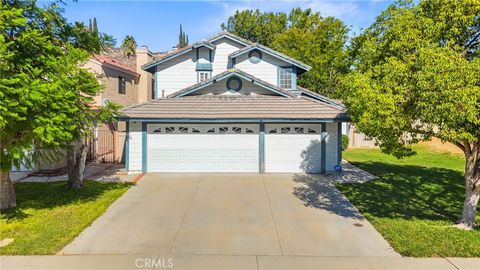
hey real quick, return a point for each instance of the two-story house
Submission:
(122, 83)
(228, 105)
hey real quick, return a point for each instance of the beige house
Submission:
(124, 83)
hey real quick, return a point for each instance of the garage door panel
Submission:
(202, 152)
(293, 151)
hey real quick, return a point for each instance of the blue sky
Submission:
(156, 23)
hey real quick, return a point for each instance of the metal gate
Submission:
(101, 147)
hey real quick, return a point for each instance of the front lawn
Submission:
(414, 202)
(48, 216)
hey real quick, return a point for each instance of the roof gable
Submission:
(208, 43)
(228, 74)
(271, 52)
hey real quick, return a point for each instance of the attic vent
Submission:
(234, 84)
(255, 56)
(203, 67)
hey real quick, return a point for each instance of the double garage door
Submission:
(233, 148)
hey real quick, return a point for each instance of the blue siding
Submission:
(234, 121)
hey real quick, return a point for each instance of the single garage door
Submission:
(292, 148)
(202, 148)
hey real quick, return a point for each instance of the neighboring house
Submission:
(228, 105)
(124, 83)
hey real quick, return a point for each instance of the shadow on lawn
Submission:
(408, 191)
(53, 194)
(318, 192)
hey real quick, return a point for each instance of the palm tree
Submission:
(129, 45)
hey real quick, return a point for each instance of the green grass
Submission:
(48, 216)
(415, 201)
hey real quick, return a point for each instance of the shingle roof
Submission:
(228, 73)
(178, 52)
(217, 107)
(272, 52)
(315, 95)
(114, 63)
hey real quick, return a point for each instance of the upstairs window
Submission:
(203, 76)
(285, 78)
(122, 85)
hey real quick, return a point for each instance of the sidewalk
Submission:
(231, 262)
(103, 172)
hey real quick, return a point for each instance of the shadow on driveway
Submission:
(318, 192)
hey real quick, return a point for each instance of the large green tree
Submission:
(304, 35)
(45, 96)
(416, 75)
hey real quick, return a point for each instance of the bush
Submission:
(345, 141)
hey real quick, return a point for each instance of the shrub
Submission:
(345, 141)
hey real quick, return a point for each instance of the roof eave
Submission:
(340, 118)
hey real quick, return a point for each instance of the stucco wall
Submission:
(108, 78)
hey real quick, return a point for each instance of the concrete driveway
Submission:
(232, 214)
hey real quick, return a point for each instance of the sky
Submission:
(155, 23)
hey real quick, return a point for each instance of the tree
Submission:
(318, 42)
(416, 76)
(302, 34)
(129, 45)
(256, 26)
(95, 27)
(45, 95)
(182, 39)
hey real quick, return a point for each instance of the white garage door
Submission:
(202, 148)
(292, 148)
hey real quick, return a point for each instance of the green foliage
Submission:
(302, 34)
(345, 141)
(129, 45)
(414, 202)
(182, 38)
(256, 26)
(48, 216)
(45, 96)
(416, 75)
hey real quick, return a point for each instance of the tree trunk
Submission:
(7, 192)
(76, 158)
(472, 192)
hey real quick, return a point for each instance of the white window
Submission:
(203, 76)
(285, 78)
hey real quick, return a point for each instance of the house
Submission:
(229, 105)
(124, 83)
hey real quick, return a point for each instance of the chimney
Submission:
(145, 86)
